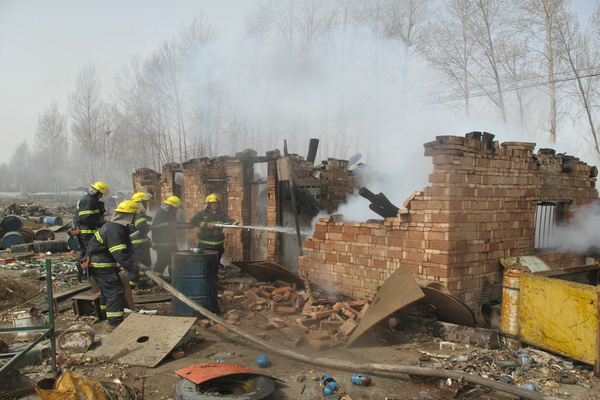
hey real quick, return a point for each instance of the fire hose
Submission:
(349, 365)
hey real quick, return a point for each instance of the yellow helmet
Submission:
(128, 206)
(101, 187)
(140, 196)
(213, 198)
(173, 201)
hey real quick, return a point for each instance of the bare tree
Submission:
(582, 59)
(485, 23)
(51, 142)
(86, 108)
(540, 20)
(450, 47)
(21, 169)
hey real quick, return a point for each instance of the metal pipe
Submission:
(227, 226)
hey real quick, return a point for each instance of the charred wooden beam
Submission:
(379, 203)
(486, 338)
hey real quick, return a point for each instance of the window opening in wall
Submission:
(547, 217)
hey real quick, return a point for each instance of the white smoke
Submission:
(581, 234)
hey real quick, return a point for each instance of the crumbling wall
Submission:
(148, 181)
(479, 208)
(228, 177)
(336, 182)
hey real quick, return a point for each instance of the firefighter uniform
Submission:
(138, 232)
(89, 217)
(109, 248)
(212, 238)
(164, 235)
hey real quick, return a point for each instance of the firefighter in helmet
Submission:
(88, 218)
(110, 247)
(211, 237)
(164, 236)
(138, 232)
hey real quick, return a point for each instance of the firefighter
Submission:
(89, 217)
(138, 232)
(164, 236)
(211, 237)
(109, 248)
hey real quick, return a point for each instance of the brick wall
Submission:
(480, 207)
(336, 183)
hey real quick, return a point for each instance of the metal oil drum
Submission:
(11, 223)
(195, 276)
(12, 238)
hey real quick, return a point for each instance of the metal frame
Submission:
(47, 331)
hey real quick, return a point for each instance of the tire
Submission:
(232, 387)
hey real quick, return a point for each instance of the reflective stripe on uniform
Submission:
(103, 265)
(162, 224)
(164, 244)
(114, 314)
(103, 306)
(211, 243)
(89, 231)
(89, 212)
(140, 220)
(117, 248)
(98, 237)
(138, 241)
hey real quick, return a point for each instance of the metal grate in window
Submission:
(545, 221)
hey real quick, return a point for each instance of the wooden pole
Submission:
(349, 365)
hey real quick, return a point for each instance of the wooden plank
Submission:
(559, 316)
(143, 340)
(151, 298)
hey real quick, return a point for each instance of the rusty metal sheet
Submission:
(204, 372)
(265, 271)
(559, 316)
(399, 290)
(451, 309)
(143, 340)
(534, 263)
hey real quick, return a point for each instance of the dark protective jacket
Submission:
(163, 228)
(90, 214)
(111, 245)
(138, 231)
(211, 238)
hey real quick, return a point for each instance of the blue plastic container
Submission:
(52, 220)
(12, 238)
(12, 223)
(195, 276)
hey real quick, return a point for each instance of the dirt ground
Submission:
(294, 380)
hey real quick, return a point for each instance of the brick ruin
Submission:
(481, 206)
(234, 177)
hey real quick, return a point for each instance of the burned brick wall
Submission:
(481, 206)
(230, 177)
(148, 181)
(335, 182)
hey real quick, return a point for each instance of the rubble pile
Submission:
(321, 323)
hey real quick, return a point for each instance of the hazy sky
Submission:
(44, 44)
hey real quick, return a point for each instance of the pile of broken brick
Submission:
(298, 316)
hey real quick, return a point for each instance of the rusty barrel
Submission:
(11, 223)
(195, 276)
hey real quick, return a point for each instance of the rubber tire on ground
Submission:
(262, 387)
